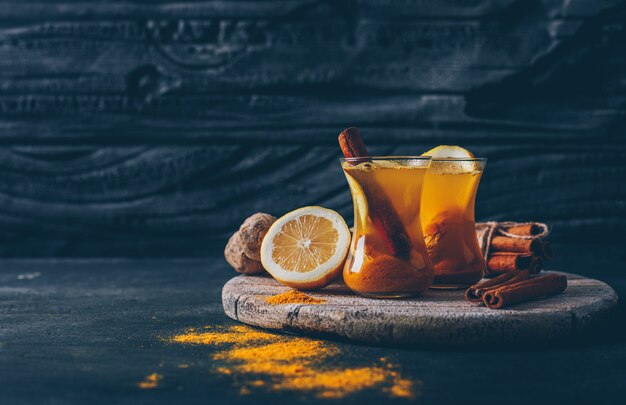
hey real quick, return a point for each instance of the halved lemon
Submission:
(449, 151)
(306, 248)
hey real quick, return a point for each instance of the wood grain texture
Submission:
(143, 52)
(134, 129)
(182, 200)
(435, 318)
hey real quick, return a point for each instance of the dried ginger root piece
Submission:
(236, 257)
(253, 231)
(243, 248)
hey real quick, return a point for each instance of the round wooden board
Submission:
(437, 317)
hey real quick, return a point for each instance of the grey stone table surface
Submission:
(441, 318)
(87, 331)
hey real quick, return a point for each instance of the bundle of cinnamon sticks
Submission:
(514, 247)
(515, 253)
(509, 289)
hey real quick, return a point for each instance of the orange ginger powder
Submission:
(293, 297)
(284, 363)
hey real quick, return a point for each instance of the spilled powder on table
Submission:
(150, 381)
(294, 364)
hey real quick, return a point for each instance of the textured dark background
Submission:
(131, 129)
(150, 130)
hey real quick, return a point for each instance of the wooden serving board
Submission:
(437, 317)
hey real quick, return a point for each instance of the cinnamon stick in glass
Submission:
(382, 214)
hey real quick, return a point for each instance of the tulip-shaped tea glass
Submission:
(388, 257)
(447, 216)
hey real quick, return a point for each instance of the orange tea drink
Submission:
(447, 217)
(387, 256)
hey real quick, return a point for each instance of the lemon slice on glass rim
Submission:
(306, 248)
(453, 159)
(449, 151)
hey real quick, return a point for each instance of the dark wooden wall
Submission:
(136, 129)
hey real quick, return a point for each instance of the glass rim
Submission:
(360, 158)
(434, 159)
(453, 159)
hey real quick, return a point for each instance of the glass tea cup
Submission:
(388, 256)
(448, 224)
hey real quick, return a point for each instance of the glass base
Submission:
(394, 295)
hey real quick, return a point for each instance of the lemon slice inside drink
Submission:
(306, 248)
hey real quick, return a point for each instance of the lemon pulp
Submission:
(304, 243)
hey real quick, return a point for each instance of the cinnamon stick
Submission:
(546, 250)
(499, 263)
(381, 212)
(352, 144)
(506, 244)
(537, 265)
(474, 293)
(525, 290)
(531, 229)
